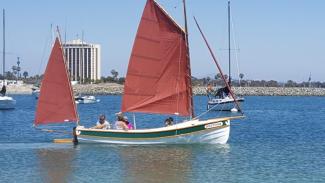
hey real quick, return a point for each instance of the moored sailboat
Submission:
(158, 81)
(222, 100)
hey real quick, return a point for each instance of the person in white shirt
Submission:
(102, 123)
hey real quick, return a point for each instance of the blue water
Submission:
(282, 139)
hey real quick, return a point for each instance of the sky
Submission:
(272, 40)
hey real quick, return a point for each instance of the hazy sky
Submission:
(275, 39)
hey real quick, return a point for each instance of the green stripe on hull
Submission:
(159, 134)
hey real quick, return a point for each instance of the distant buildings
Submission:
(83, 60)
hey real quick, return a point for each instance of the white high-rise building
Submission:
(83, 60)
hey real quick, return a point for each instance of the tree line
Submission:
(241, 82)
(216, 81)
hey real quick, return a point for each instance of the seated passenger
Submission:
(169, 121)
(130, 126)
(102, 123)
(120, 123)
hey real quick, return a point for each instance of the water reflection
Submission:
(55, 164)
(166, 163)
(156, 164)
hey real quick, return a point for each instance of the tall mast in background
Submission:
(229, 59)
(4, 48)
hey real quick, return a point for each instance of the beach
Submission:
(117, 89)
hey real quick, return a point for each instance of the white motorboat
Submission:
(35, 92)
(7, 102)
(88, 99)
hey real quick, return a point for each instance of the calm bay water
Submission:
(282, 139)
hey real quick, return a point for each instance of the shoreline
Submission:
(117, 89)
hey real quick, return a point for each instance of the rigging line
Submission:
(204, 113)
(236, 50)
(47, 43)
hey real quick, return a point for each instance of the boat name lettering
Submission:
(213, 125)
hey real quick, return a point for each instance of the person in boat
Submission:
(223, 92)
(210, 91)
(102, 123)
(169, 121)
(130, 126)
(3, 90)
(120, 122)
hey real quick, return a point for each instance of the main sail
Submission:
(158, 76)
(56, 102)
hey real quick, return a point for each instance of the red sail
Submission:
(158, 75)
(56, 103)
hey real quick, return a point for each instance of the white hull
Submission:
(36, 93)
(225, 104)
(86, 100)
(7, 102)
(214, 131)
(219, 136)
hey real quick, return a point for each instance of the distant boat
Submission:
(221, 100)
(158, 81)
(86, 99)
(80, 99)
(6, 102)
(35, 92)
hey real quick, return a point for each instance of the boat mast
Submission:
(4, 48)
(189, 62)
(229, 43)
(68, 74)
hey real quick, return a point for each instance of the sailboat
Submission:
(6, 102)
(158, 81)
(221, 100)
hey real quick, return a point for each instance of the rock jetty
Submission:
(117, 89)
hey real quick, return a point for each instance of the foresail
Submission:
(158, 74)
(56, 102)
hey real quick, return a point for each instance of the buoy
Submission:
(234, 110)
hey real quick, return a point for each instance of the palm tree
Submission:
(25, 74)
(217, 76)
(114, 74)
(241, 76)
(226, 76)
(208, 79)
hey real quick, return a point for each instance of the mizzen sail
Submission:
(56, 103)
(158, 76)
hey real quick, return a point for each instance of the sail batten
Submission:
(56, 103)
(157, 76)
